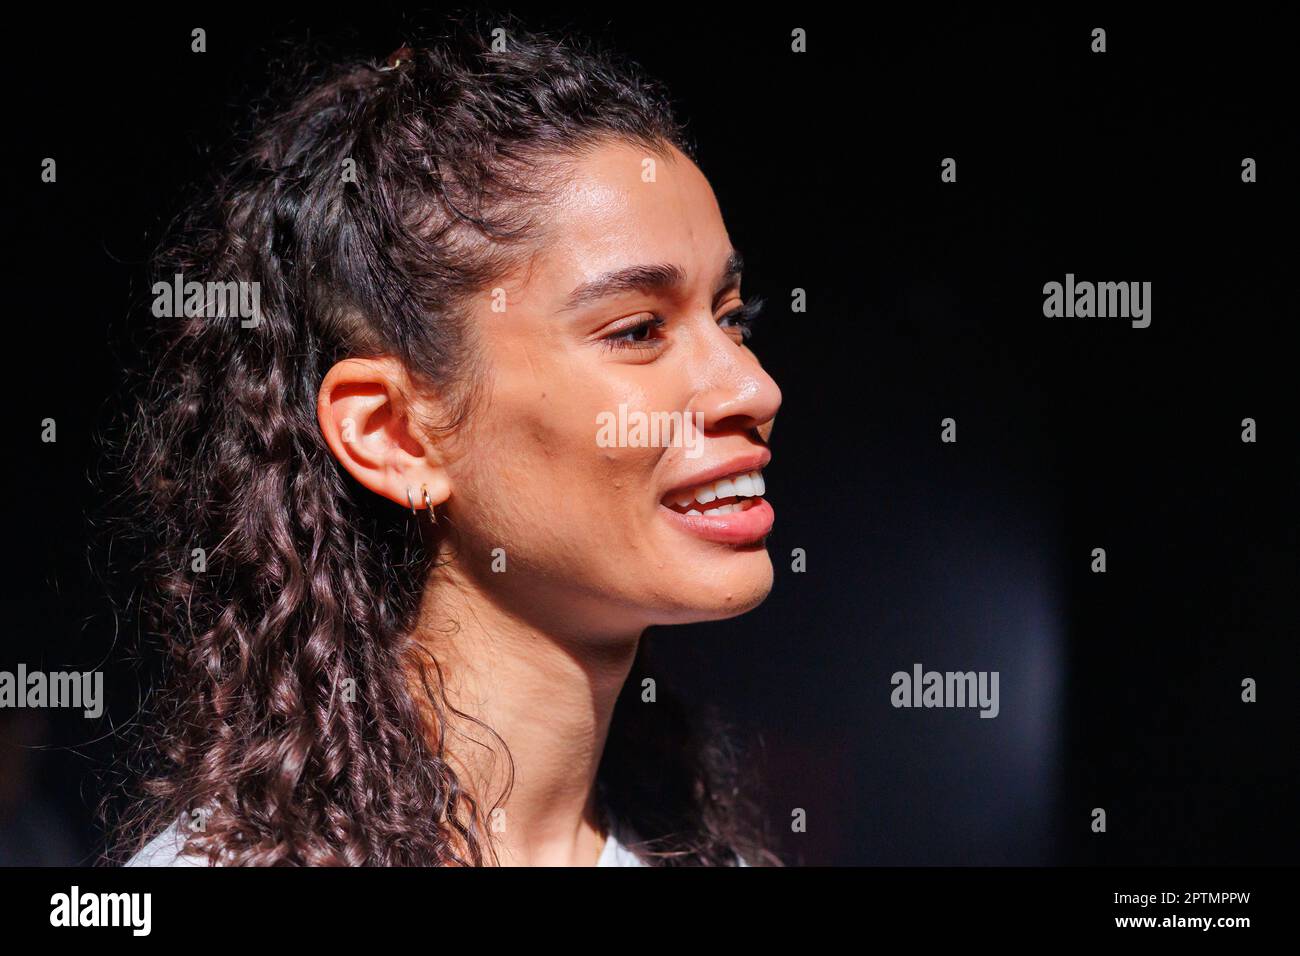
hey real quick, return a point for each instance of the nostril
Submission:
(732, 424)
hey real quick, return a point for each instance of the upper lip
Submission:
(741, 464)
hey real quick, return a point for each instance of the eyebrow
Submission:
(648, 278)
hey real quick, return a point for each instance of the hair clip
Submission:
(403, 54)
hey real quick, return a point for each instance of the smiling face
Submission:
(574, 463)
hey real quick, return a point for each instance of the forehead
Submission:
(616, 209)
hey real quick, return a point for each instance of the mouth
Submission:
(729, 509)
(732, 493)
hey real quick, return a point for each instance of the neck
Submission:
(547, 696)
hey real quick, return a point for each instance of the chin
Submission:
(716, 597)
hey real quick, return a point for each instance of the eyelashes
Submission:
(628, 338)
(633, 337)
(743, 317)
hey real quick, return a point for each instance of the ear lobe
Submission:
(368, 425)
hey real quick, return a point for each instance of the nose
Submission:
(735, 393)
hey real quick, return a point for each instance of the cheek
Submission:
(534, 480)
(581, 520)
(510, 479)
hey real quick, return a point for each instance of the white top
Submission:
(165, 850)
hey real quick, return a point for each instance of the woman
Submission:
(400, 581)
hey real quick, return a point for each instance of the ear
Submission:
(368, 424)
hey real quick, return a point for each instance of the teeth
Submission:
(748, 485)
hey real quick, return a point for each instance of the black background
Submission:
(1119, 691)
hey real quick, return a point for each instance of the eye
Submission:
(743, 318)
(637, 336)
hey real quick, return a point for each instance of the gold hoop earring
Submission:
(433, 514)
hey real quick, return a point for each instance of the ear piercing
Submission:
(428, 503)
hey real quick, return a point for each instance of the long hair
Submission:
(366, 210)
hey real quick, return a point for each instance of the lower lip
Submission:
(739, 527)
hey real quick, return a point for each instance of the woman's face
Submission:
(575, 464)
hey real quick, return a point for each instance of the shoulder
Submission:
(619, 849)
(165, 850)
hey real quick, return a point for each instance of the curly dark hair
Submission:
(311, 579)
